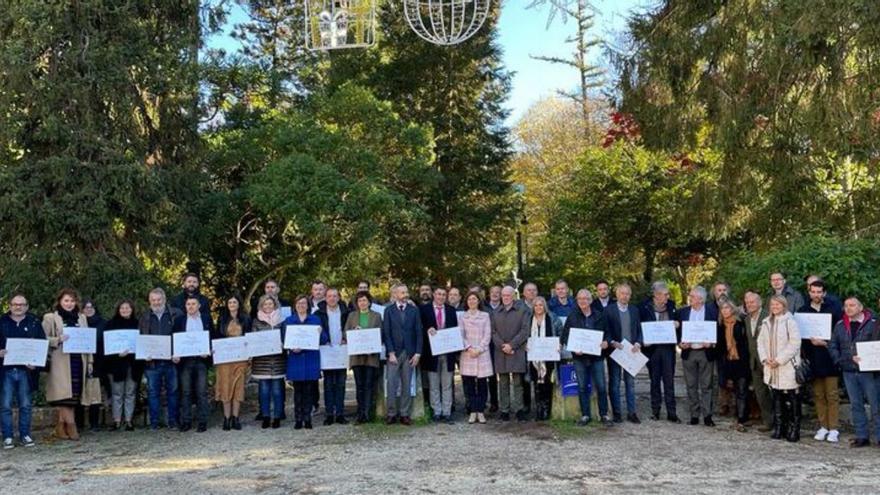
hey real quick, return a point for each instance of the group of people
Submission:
(758, 354)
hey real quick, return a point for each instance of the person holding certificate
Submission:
(161, 373)
(733, 351)
(304, 366)
(589, 369)
(698, 359)
(661, 357)
(779, 347)
(333, 314)
(543, 323)
(18, 323)
(475, 360)
(123, 371)
(438, 315)
(857, 325)
(623, 323)
(826, 374)
(68, 373)
(269, 370)
(365, 367)
(231, 377)
(193, 369)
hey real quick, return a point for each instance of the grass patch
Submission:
(568, 428)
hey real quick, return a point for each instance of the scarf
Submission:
(70, 318)
(273, 318)
(662, 313)
(729, 324)
(539, 329)
(866, 315)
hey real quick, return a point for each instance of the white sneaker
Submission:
(833, 436)
(821, 434)
(8, 444)
(27, 441)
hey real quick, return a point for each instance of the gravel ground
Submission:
(654, 457)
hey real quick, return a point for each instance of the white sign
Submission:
(543, 349)
(153, 347)
(632, 362)
(26, 352)
(80, 340)
(264, 343)
(230, 350)
(659, 332)
(458, 316)
(378, 308)
(869, 355)
(188, 344)
(446, 340)
(286, 311)
(118, 341)
(699, 332)
(334, 357)
(364, 341)
(303, 337)
(585, 341)
(814, 325)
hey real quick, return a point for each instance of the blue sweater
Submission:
(305, 365)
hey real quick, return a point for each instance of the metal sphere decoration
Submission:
(446, 22)
(332, 24)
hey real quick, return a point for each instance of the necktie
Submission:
(440, 317)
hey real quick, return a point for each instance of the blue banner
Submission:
(568, 381)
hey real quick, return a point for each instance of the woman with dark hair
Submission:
(303, 365)
(68, 373)
(96, 321)
(475, 361)
(123, 371)
(231, 377)
(366, 366)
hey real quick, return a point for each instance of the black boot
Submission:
(226, 424)
(794, 429)
(777, 416)
(236, 423)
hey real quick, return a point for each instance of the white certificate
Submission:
(659, 332)
(285, 312)
(188, 344)
(446, 340)
(364, 341)
(543, 349)
(699, 332)
(814, 325)
(378, 308)
(80, 341)
(26, 352)
(264, 343)
(632, 362)
(117, 341)
(869, 355)
(303, 337)
(585, 341)
(153, 347)
(458, 316)
(334, 357)
(229, 350)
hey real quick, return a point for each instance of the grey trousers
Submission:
(510, 402)
(398, 381)
(762, 394)
(123, 397)
(441, 388)
(699, 373)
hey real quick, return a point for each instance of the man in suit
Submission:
(333, 313)
(755, 314)
(510, 332)
(441, 369)
(603, 296)
(698, 359)
(623, 323)
(402, 336)
(661, 364)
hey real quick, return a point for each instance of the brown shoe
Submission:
(60, 431)
(72, 432)
(405, 421)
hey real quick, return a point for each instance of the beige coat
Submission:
(780, 340)
(58, 386)
(351, 325)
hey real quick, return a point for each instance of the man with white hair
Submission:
(623, 323)
(159, 319)
(510, 332)
(698, 359)
(661, 364)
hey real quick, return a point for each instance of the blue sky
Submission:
(524, 32)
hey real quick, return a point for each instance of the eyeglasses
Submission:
(19, 305)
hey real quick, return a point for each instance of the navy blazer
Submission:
(408, 324)
(428, 361)
(613, 330)
(684, 314)
(596, 305)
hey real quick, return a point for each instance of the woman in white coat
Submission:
(779, 347)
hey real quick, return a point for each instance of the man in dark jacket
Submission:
(402, 336)
(623, 323)
(661, 357)
(779, 286)
(561, 304)
(159, 320)
(698, 359)
(603, 296)
(193, 370)
(825, 372)
(18, 323)
(191, 288)
(333, 313)
(857, 325)
(589, 369)
(441, 369)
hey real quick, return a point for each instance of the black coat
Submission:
(117, 366)
(821, 363)
(179, 302)
(224, 321)
(733, 370)
(596, 305)
(428, 361)
(613, 330)
(576, 319)
(646, 313)
(684, 314)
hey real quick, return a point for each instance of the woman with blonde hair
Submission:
(779, 346)
(733, 358)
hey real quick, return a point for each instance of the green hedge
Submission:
(849, 267)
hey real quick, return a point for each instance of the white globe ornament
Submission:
(446, 22)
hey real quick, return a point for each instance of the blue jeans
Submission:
(334, 392)
(863, 387)
(271, 396)
(16, 382)
(614, 374)
(159, 374)
(593, 373)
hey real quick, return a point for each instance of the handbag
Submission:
(803, 370)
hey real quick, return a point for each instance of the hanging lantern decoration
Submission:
(332, 24)
(446, 22)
